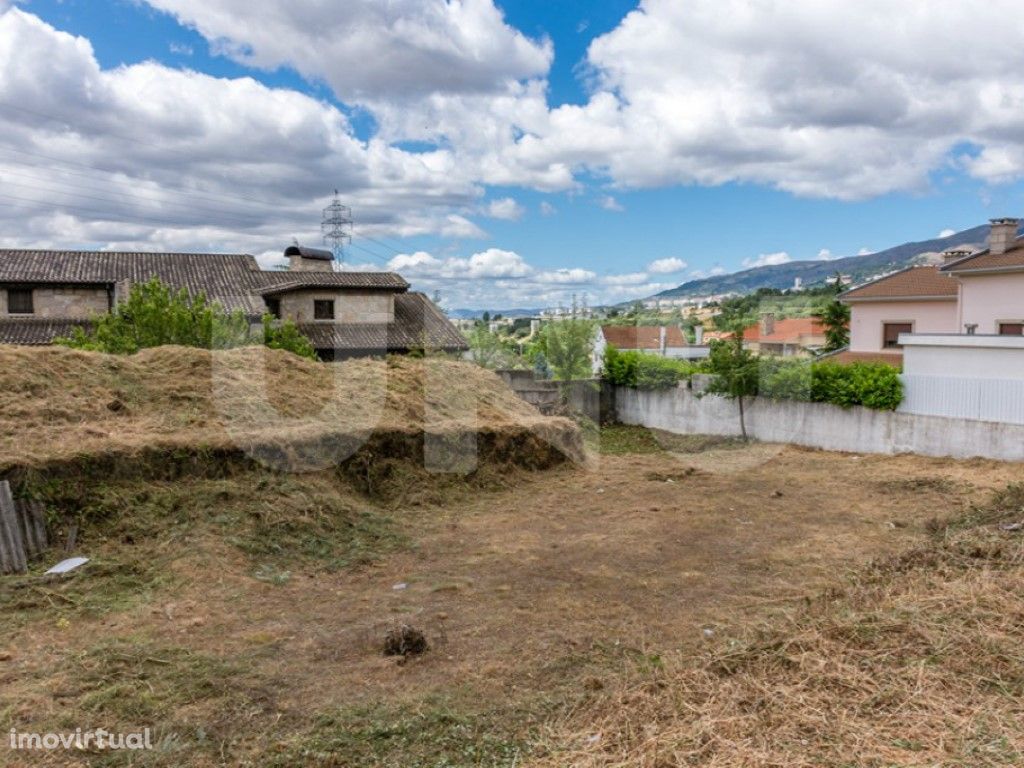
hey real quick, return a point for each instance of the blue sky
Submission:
(606, 141)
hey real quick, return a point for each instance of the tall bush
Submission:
(154, 316)
(567, 346)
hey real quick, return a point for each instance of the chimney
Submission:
(302, 259)
(1003, 235)
(955, 253)
(698, 335)
(767, 323)
(662, 339)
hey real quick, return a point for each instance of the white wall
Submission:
(859, 430)
(987, 300)
(867, 319)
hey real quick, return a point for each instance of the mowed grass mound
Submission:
(918, 662)
(60, 404)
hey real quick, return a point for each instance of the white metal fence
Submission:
(999, 400)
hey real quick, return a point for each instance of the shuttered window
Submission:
(891, 334)
(1011, 329)
(19, 301)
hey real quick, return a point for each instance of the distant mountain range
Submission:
(811, 272)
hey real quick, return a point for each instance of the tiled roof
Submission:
(909, 283)
(418, 321)
(786, 331)
(235, 281)
(36, 331)
(642, 336)
(227, 278)
(894, 359)
(280, 282)
(983, 260)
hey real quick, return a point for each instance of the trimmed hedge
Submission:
(642, 371)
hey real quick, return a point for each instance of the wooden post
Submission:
(12, 546)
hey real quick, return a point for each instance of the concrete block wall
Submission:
(817, 425)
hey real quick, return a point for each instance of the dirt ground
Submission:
(528, 595)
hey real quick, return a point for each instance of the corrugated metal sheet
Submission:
(1000, 400)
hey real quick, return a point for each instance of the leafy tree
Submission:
(486, 348)
(153, 316)
(835, 316)
(567, 346)
(735, 372)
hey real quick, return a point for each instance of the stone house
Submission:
(45, 294)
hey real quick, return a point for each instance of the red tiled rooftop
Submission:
(787, 331)
(985, 260)
(911, 283)
(642, 336)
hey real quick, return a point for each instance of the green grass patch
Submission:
(434, 734)
(623, 439)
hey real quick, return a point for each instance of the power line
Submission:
(197, 194)
(98, 214)
(129, 197)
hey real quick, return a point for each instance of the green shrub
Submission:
(620, 367)
(286, 336)
(154, 316)
(872, 385)
(654, 372)
(636, 369)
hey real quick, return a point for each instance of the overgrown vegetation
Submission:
(567, 346)
(154, 316)
(872, 385)
(644, 371)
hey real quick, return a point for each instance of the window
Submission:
(891, 334)
(274, 307)
(323, 309)
(19, 301)
(1011, 329)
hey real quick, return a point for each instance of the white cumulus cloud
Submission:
(767, 260)
(506, 208)
(666, 266)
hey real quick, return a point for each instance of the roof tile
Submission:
(910, 283)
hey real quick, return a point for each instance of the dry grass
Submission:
(917, 662)
(59, 404)
(241, 613)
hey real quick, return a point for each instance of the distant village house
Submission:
(44, 294)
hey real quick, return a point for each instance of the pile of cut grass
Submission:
(61, 404)
(917, 662)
